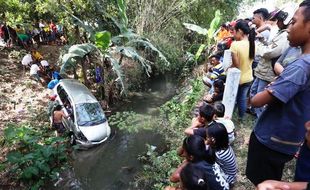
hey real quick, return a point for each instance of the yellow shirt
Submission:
(241, 50)
(36, 55)
(223, 34)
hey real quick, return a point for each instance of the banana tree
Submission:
(208, 33)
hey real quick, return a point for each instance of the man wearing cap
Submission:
(269, 53)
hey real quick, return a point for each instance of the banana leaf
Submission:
(196, 28)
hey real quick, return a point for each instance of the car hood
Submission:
(96, 133)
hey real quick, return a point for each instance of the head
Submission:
(193, 178)
(206, 113)
(223, 27)
(195, 149)
(218, 86)
(242, 29)
(219, 109)
(299, 28)
(285, 15)
(58, 108)
(260, 16)
(214, 59)
(217, 136)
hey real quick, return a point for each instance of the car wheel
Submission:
(72, 139)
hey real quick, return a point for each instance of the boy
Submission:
(216, 71)
(219, 109)
(278, 133)
(200, 123)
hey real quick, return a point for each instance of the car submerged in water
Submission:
(87, 123)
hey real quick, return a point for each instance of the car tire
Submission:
(72, 139)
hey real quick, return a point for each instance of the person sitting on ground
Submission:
(218, 93)
(37, 57)
(217, 139)
(302, 172)
(195, 152)
(27, 60)
(34, 69)
(202, 121)
(219, 118)
(58, 116)
(214, 71)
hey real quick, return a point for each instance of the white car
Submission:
(87, 123)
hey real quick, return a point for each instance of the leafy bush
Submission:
(176, 116)
(36, 158)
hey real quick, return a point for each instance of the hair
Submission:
(58, 107)
(194, 177)
(219, 133)
(224, 25)
(263, 12)
(219, 84)
(216, 56)
(206, 111)
(306, 12)
(195, 146)
(219, 109)
(244, 27)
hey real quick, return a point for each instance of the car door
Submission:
(63, 99)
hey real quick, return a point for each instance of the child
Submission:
(195, 153)
(216, 71)
(218, 93)
(217, 139)
(203, 120)
(219, 118)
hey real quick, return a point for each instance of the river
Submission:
(114, 164)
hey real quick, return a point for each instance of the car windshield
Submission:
(89, 114)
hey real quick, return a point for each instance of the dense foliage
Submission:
(35, 156)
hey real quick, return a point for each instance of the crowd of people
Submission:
(272, 52)
(40, 32)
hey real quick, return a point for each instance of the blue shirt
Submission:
(302, 172)
(281, 125)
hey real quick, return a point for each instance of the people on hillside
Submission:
(243, 52)
(217, 94)
(269, 53)
(214, 71)
(278, 134)
(217, 139)
(195, 152)
(219, 109)
(58, 116)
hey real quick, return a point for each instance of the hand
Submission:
(272, 185)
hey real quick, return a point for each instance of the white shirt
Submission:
(44, 63)
(27, 59)
(34, 69)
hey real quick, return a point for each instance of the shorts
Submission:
(264, 163)
(59, 127)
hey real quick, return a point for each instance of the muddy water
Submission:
(114, 164)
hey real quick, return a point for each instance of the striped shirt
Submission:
(217, 71)
(227, 161)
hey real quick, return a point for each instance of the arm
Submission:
(279, 185)
(262, 98)
(235, 60)
(278, 68)
(175, 176)
(195, 124)
(274, 49)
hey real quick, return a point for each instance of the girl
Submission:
(195, 153)
(243, 52)
(217, 139)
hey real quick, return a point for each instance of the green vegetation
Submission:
(35, 156)
(176, 115)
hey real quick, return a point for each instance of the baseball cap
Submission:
(285, 13)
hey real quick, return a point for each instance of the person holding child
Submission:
(278, 133)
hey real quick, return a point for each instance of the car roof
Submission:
(77, 91)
